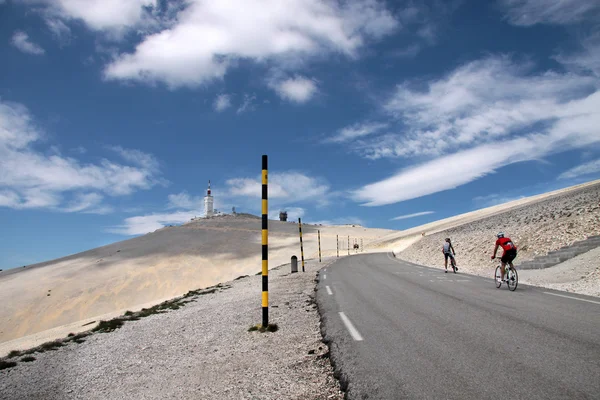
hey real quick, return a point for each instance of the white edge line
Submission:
(329, 292)
(353, 332)
(574, 298)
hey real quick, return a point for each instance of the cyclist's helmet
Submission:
(500, 235)
(447, 239)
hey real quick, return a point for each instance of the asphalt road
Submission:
(401, 331)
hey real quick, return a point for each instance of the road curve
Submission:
(401, 331)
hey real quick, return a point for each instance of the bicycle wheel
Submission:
(498, 277)
(453, 265)
(513, 279)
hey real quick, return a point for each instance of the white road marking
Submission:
(353, 332)
(574, 298)
(329, 292)
(325, 276)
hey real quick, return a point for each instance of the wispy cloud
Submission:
(412, 215)
(588, 168)
(494, 199)
(586, 60)
(576, 128)
(143, 224)
(356, 131)
(479, 102)
(563, 12)
(59, 30)
(247, 105)
(33, 178)
(185, 201)
(21, 41)
(222, 102)
(284, 188)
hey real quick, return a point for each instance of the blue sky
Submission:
(114, 115)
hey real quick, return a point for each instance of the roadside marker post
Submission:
(337, 245)
(319, 233)
(265, 243)
(301, 247)
(348, 245)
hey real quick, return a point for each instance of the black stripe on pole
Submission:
(265, 243)
(301, 246)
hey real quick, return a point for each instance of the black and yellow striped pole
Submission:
(319, 233)
(337, 245)
(265, 244)
(348, 245)
(301, 247)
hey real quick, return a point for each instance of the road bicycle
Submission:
(453, 263)
(510, 273)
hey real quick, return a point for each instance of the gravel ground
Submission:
(536, 229)
(578, 275)
(201, 351)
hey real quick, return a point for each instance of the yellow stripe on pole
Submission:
(265, 236)
(265, 207)
(265, 267)
(265, 299)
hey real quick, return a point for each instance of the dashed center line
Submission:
(353, 331)
(325, 276)
(574, 298)
(329, 292)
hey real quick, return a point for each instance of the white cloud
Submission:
(247, 104)
(284, 188)
(256, 30)
(356, 131)
(185, 201)
(21, 41)
(560, 12)
(588, 168)
(222, 102)
(298, 89)
(575, 127)
(479, 102)
(143, 224)
(412, 215)
(32, 178)
(100, 15)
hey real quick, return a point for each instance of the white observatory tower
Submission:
(208, 203)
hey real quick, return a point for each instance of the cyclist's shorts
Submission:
(509, 256)
(446, 255)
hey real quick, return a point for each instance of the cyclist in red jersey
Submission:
(510, 251)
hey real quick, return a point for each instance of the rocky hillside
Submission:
(536, 229)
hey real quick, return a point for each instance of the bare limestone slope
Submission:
(536, 228)
(51, 299)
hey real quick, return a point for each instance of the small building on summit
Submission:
(283, 216)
